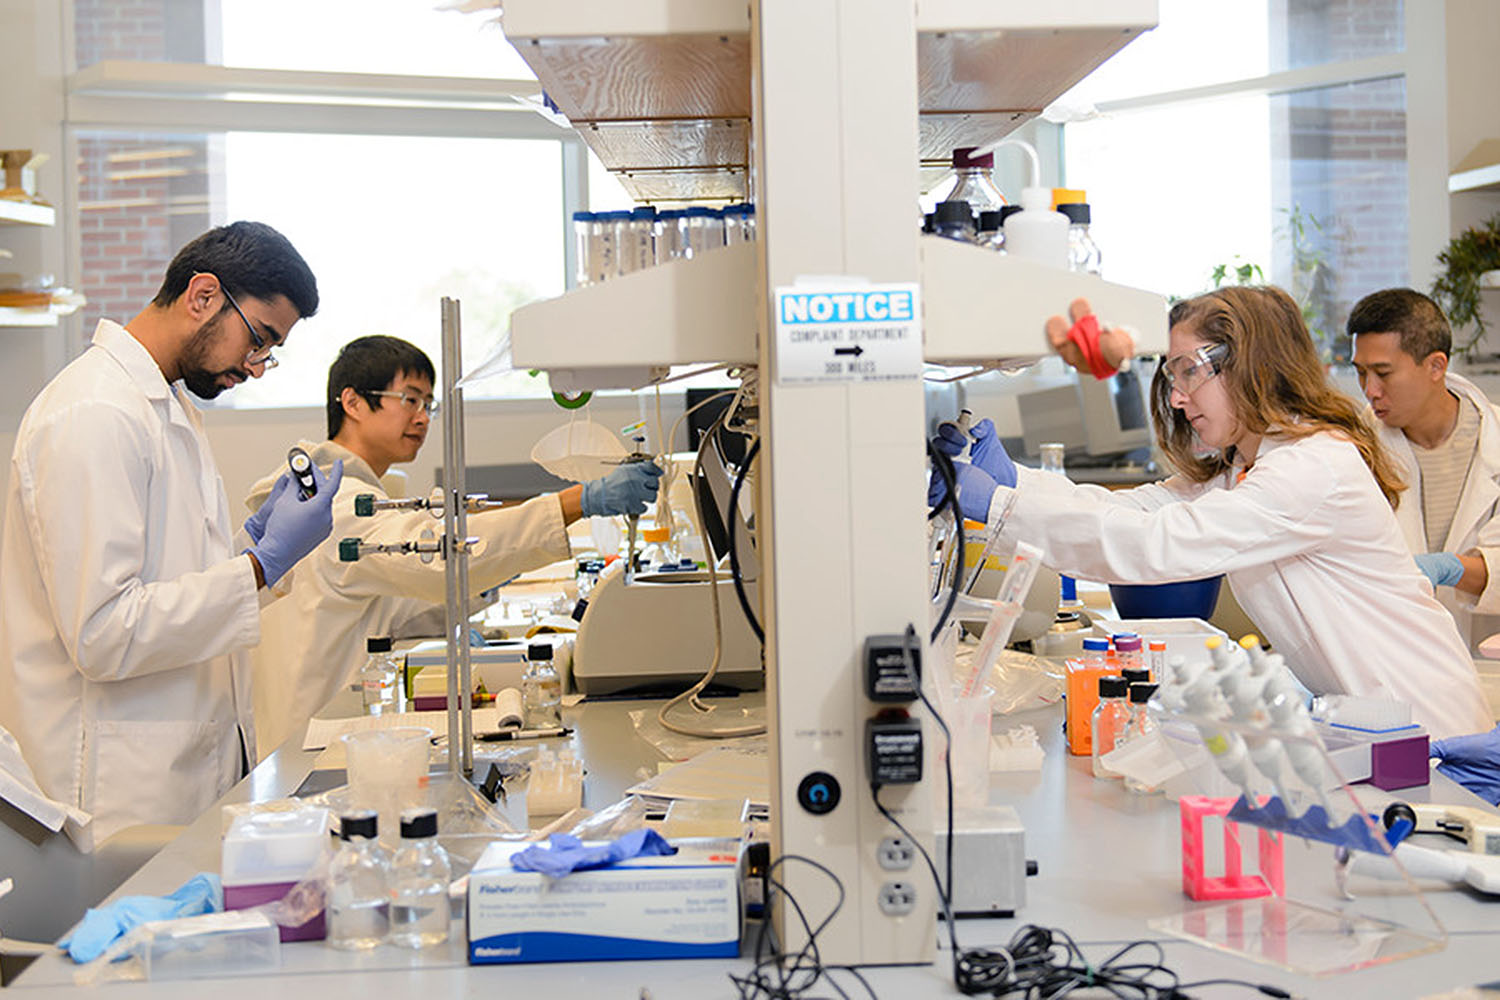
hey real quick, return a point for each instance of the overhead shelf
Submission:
(12, 317)
(26, 213)
(978, 307)
(1479, 171)
(646, 85)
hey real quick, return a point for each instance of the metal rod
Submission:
(455, 525)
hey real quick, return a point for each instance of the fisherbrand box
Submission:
(682, 906)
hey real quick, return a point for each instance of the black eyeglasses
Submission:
(260, 351)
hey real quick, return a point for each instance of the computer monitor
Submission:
(1095, 419)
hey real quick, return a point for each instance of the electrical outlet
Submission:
(895, 854)
(897, 899)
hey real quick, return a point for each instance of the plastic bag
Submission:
(1022, 681)
(579, 450)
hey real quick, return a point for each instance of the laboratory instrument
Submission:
(358, 886)
(419, 883)
(301, 466)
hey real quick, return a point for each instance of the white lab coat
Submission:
(1476, 522)
(1309, 546)
(123, 609)
(313, 640)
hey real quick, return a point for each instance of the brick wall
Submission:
(141, 196)
(1339, 156)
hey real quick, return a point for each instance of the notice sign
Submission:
(854, 333)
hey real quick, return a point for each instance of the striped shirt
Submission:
(1444, 470)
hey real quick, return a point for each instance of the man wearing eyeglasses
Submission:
(127, 602)
(379, 405)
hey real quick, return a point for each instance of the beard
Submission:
(200, 380)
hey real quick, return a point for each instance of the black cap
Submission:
(953, 211)
(1077, 212)
(989, 220)
(359, 824)
(1006, 211)
(539, 651)
(927, 223)
(418, 823)
(1133, 675)
(1141, 693)
(1111, 686)
(381, 644)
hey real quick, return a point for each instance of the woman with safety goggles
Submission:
(1278, 485)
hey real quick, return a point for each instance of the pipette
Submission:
(633, 521)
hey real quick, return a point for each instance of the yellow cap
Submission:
(1249, 640)
(1213, 642)
(1069, 196)
(971, 526)
(655, 534)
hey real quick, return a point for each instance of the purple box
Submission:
(243, 897)
(1399, 763)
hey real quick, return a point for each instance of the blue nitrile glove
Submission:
(950, 439)
(989, 454)
(294, 527)
(101, 926)
(975, 487)
(626, 490)
(1444, 569)
(255, 524)
(567, 853)
(1473, 761)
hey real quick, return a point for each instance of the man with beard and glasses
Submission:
(127, 601)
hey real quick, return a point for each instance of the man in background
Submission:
(1446, 436)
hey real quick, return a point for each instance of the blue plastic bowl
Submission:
(1188, 599)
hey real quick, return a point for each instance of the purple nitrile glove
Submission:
(255, 524)
(1473, 761)
(975, 487)
(567, 853)
(989, 454)
(625, 490)
(294, 526)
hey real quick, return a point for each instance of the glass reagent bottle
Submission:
(358, 886)
(420, 873)
(541, 691)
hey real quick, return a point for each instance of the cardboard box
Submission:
(683, 906)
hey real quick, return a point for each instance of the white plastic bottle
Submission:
(377, 678)
(1037, 232)
(358, 886)
(419, 883)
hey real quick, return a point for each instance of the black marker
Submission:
(302, 473)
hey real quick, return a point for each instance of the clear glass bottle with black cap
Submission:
(954, 220)
(541, 690)
(1083, 252)
(1108, 721)
(419, 883)
(1138, 726)
(377, 678)
(358, 885)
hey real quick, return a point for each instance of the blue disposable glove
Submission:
(255, 524)
(950, 439)
(567, 853)
(102, 925)
(975, 487)
(294, 526)
(989, 454)
(1444, 569)
(626, 490)
(1472, 761)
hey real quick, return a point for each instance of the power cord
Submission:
(779, 975)
(734, 551)
(944, 466)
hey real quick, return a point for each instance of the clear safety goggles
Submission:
(1186, 372)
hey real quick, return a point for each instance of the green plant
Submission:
(1467, 256)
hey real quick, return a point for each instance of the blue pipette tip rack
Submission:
(1354, 833)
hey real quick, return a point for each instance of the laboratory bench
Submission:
(1108, 861)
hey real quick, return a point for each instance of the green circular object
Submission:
(572, 402)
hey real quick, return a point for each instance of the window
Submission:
(1283, 152)
(396, 192)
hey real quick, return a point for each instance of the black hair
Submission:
(368, 365)
(251, 260)
(1417, 319)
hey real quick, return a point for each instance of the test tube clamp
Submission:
(366, 504)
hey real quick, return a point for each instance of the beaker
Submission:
(387, 771)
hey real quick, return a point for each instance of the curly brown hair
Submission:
(1275, 382)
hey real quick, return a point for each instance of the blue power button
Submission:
(819, 793)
